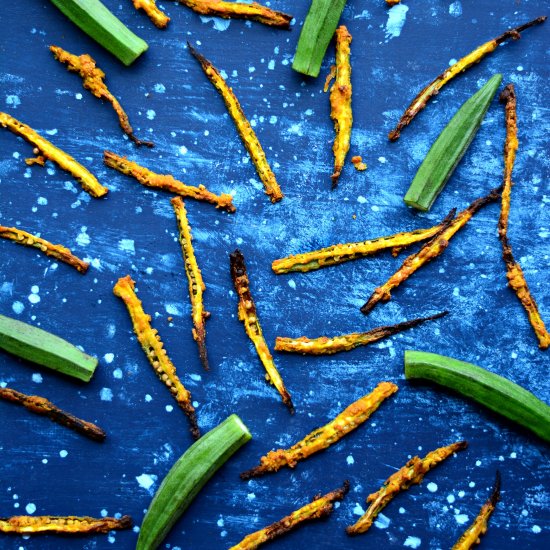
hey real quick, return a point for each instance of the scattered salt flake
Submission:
(396, 20)
(30, 508)
(220, 522)
(412, 542)
(451, 499)
(127, 245)
(358, 510)
(350, 460)
(17, 307)
(13, 101)
(292, 284)
(159, 88)
(63, 453)
(461, 519)
(106, 394)
(382, 521)
(146, 481)
(432, 487)
(37, 378)
(151, 114)
(148, 398)
(117, 373)
(108, 357)
(361, 199)
(536, 529)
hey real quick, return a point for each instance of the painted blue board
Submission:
(46, 469)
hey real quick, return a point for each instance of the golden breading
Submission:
(158, 17)
(70, 525)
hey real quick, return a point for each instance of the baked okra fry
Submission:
(514, 273)
(348, 420)
(319, 507)
(240, 10)
(249, 317)
(43, 407)
(431, 250)
(153, 347)
(45, 150)
(67, 525)
(340, 101)
(411, 474)
(244, 128)
(157, 16)
(340, 253)
(93, 81)
(433, 88)
(56, 251)
(473, 534)
(166, 182)
(347, 342)
(194, 278)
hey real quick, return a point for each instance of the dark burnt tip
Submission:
(495, 496)
(126, 522)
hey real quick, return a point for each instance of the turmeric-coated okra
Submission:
(66, 525)
(153, 347)
(155, 14)
(45, 150)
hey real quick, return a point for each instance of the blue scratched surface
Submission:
(46, 469)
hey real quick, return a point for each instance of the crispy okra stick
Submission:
(473, 534)
(158, 17)
(154, 349)
(45, 150)
(340, 101)
(340, 253)
(166, 182)
(40, 405)
(67, 525)
(194, 278)
(321, 438)
(411, 474)
(249, 317)
(514, 273)
(433, 88)
(431, 250)
(244, 128)
(240, 10)
(347, 342)
(93, 81)
(56, 251)
(319, 507)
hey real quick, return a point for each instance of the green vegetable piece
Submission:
(491, 390)
(449, 148)
(187, 477)
(319, 26)
(46, 349)
(105, 28)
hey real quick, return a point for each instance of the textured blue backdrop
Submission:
(46, 469)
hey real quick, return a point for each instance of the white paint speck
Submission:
(146, 481)
(461, 519)
(169, 408)
(127, 245)
(83, 239)
(151, 114)
(34, 298)
(412, 542)
(63, 453)
(117, 373)
(536, 529)
(183, 150)
(292, 284)
(159, 88)
(37, 378)
(106, 394)
(451, 499)
(13, 101)
(148, 398)
(17, 307)
(350, 460)
(396, 19)
(432, 487)
(382, 521)
(455, 9)
(358, 510)
(108, 357)
(30, 508)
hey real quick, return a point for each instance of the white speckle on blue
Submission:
(108, 357)
(455, 9)
(103, 513)
(151, 114)
(37, 378)
(412, 542)
(127, 245)
(34, 298)
(13, 101)
(78, 95)
(271, 65)
(42, 201)
(292, 284)
(536, 529)
(382, 521)
(83, 239)
(358, 510)
(169, 408)
(218, 23)
(106, 394)
(173, 309)
(396, 20)
(63, 453)
(350, 460)
(146, 481)
(30, 508)
(159, 88)
(461, 519)
(148, 398)
(519, 68)
(450, 499)
(183, 150)
(361, 199)
(117, 373)
(220, 522)
(17, 307)
(432, 487)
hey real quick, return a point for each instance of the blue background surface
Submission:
(133, 231)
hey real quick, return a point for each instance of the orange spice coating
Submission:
(358, 163)
(70, 525)
(433, 88)
(194, 278)
(392, 2)
(244, 128)
(92, 80)
(340, 102)
(411, 474)
(249, 317)
(56, 251)
(158, 17)
(319, 507)
(340, 253)
(47, 150)
(166, 182)
(321, 438)
(473, 534)
(514, 273)
(41, 406)
(240, 10)
(431, 250)
(154, 349)
(347, 342)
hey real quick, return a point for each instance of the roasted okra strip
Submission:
(340, 102)
(92, 80)
(319, 507)
(321, 438)
(154, 350)
(249, 317)
(473, 534)
(240, 10)
(347, 342)
(431, 250)
(433, 88)
(411, 474)
(244, 128)
(514, 273)
(43, 407)
(46, 150)
(157, 16)
(340, 253)
(67, 525)
(194, 278)
(56, 251)
(166, 182)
